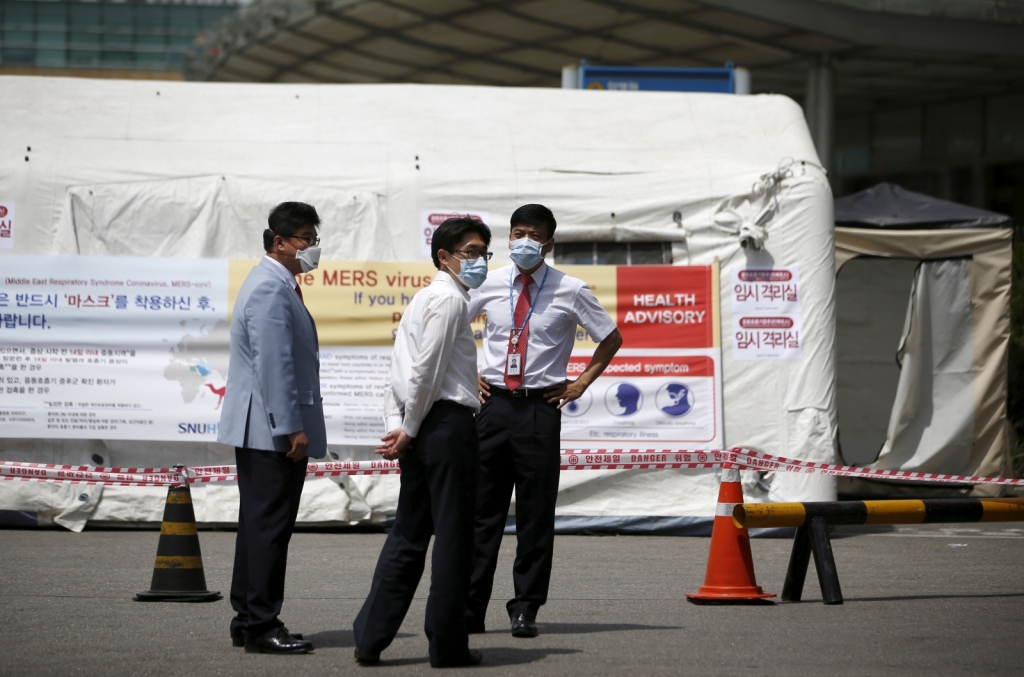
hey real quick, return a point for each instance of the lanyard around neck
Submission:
(516, 331)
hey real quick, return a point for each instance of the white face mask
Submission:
(309, 258)
(526, 253)
(472, 272)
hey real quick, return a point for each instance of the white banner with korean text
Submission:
(113, 347)
(766, 313)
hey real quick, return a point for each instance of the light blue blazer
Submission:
(273, 386)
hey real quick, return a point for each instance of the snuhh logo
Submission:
(6, 225)
(198, 428)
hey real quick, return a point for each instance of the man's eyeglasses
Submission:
(473, 254)
(310, 240)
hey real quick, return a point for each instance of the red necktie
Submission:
(299, 292)
(519, 348)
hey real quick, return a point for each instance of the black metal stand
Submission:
(793, 588)
(812, 538)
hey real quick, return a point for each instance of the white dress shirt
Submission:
(563, 304)
(434, 357)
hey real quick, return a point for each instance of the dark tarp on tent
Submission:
(889, 206)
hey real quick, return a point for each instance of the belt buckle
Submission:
(519, 392)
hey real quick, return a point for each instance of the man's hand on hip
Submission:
(564, 393)
(396, 444)
(484, 387)
(300, 446)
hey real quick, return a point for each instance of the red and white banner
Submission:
(582, 459)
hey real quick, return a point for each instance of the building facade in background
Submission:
(968, 150)
(102, 39)
(924, 93)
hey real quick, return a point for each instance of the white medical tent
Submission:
(191, 169)
(923, 317)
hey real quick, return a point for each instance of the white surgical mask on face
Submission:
(472, 272)
(309, 258)
(526, 253)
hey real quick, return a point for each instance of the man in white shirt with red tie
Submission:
(532, 314)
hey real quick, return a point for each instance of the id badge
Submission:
(513, 365)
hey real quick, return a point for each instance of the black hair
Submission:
(286, 218)
(534, 215)
(453, 231)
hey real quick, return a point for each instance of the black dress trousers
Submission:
(519, 447)
(269, 489)
(437, 497)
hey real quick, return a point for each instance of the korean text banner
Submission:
(112, 347)
(137, 348)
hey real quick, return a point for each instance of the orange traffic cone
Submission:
(730, 574)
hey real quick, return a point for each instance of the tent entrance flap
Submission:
(931, 428)
(871, 308)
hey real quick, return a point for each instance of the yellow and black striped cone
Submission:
(178, 571)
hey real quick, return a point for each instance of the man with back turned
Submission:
(532, 314)
(273, 415)
(431, 397)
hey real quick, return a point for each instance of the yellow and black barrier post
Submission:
(178, 572)
(812, 520)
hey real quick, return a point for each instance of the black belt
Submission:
(518, 392)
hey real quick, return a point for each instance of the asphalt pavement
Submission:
(923, 600)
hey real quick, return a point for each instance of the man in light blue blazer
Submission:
(273, 415)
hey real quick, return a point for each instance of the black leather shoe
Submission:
(277, 641)
(475, 627)
(367, 657)
(523, 626)
(238, 641)
(471, 657)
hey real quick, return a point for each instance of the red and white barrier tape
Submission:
(84, 474)
(584, 459)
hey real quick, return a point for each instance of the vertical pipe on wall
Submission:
(811, 100)
(570, 77)
(826, 103)
(819, 108)
(741, 78)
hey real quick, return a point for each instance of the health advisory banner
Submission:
(112, 347)
(131, 348)
(663, 388)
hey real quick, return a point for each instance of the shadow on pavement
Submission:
(906, 598)
(329, 639)
(332, 638)
(385, 663)
(588, 628)
(493, 657)
(508, 656)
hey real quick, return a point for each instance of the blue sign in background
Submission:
(631, 78)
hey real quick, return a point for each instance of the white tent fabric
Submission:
(189, 169)
(931, 428)
(211, 217)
